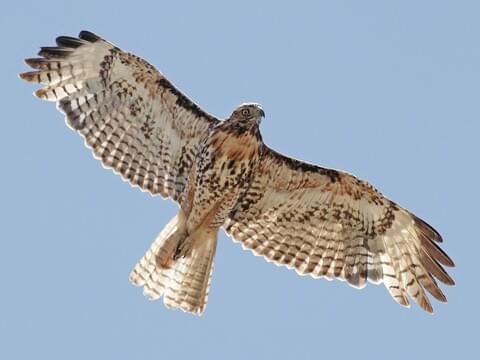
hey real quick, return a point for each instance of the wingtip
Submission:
(447, 260)
(88, 36)
(29, 61)
(438, 294)
(427, 306)
(30, 76)
(428, 230)
(41, 93)
(21, 76)
(451, 263)
(69, 42)
(54, 52)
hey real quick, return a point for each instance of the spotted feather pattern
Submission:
(327, 223)
(135, 121)
(321, 222)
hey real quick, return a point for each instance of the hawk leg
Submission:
(183, 248)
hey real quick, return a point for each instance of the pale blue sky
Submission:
(386, 90)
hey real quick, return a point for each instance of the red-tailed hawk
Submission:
(318, 221)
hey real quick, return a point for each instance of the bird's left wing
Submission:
(134, 120)
(328, 223)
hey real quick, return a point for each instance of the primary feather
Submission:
(318, 221)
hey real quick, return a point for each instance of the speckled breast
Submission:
(223, 172)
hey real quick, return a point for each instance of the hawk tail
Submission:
(183, 282)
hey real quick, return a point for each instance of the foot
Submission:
(183, 249)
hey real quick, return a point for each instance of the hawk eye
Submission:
(245, 112)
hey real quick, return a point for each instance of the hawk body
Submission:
(318, 221)
(224, 166)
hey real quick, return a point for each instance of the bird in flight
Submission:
(322, 222)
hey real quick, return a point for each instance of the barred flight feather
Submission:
(124, 109)
(318, 221)
(327, 223)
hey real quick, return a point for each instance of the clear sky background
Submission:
(387, 90)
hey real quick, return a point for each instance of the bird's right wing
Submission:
(327, 223)
(135, 121)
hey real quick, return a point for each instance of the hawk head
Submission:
(248, 114)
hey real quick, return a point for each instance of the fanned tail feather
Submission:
(184, 283)
(189, 279)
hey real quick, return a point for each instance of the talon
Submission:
(178, 251)
(183, 249)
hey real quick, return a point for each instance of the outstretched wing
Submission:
(135, 121)
(330, 224)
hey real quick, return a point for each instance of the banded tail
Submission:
(184, 283)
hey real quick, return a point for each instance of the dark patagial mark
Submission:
(296, 165)
(183, 101)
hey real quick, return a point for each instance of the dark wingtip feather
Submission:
(430, 237)
(434, 268)
(437, 253)
(42, 63)
(425, 304)
(451, 283)
(30, 76)
(34, 62)
(428, 230)
(69, 42)
(88, 36)
(50, 52)
(440, 296)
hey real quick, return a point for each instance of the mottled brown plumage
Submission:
(321, 222)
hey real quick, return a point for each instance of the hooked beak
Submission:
(262, 113)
